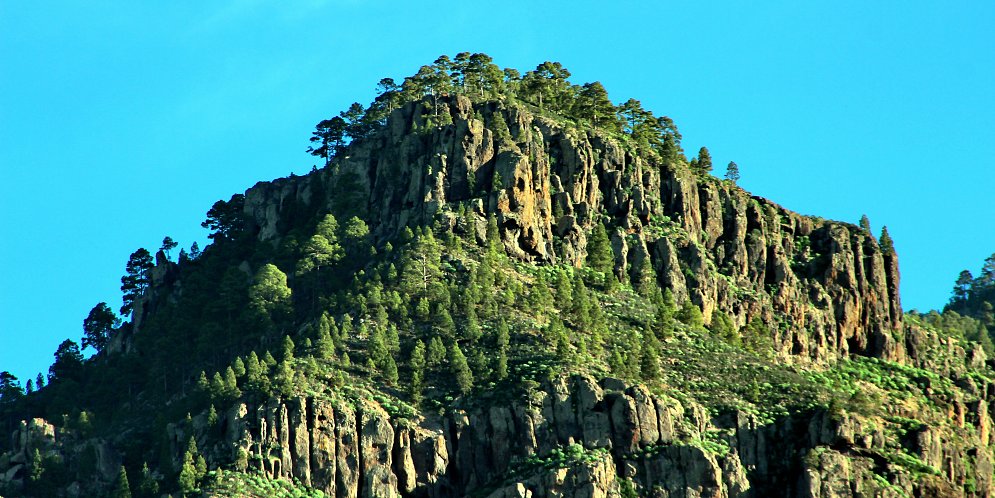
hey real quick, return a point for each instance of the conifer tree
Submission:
(203, 385)
(121, 487)
(269, 296)
(187, 479)
(231, 390)
(99, 327)
(732, 172)
(865, 223)
(284, 380)
(564, 290)
(137, 279)
(502, 338)
(703, 163)
(493, 234)
(168, 244)
(599, 251)
(459, 368)
(663, 319)
(417, 363)
(690, 315)
(887, 245)
(217, 388)
(377, 348)
(148, 487)
(253, 371)
(436, 352)
(645, 281)
(390, 370)
(724, 328)
(649, 364)
(212, 415)
(268, 359)
(287, 349)
(580, 309)
(238, 366)
(324, 345)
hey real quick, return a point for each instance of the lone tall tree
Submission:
(168, 244)
(732, 172)
(98, 327)
(137, 278)
(703, 163)
(68, 362)
(328, 138)
(599, 251)
(225, 219)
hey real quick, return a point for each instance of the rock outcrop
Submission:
(579, 437)
(828, 288)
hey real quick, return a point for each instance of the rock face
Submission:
(37, 438)
(827, 287)
(578, 437)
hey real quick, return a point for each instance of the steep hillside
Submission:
(503, 285)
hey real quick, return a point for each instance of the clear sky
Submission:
(122, 122)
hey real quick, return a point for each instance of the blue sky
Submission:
(122, 122)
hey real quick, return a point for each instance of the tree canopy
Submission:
(99, 327)
(137, 278)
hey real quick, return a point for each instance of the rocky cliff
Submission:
(579, 437)
(828, 286)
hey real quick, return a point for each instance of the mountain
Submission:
(504, 285)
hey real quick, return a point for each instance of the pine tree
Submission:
(564, 290)
(663, 320)
(325, 346)
(645, 281)
(212, 415)
(649, 364)
(472, 329)
(502, 339)
(436, 352)
(238, 366)
(231, 390)
(99, 327)
(390, 370)
(287, 349)
(187, 479)
(724, 328)
(417, 363)
(962, 289)
(887, 245)
(732, 172)
(690, 315)
(121, 487)
(253, 370)
(493, 234)
(37, 468)
(269, 296)
(599, 251)
(865, 223)
(459, 368)
(168, 244)
(137, 279)
(703, 163)
(201, 466)
(148, 487)
(217, 389)
(203, 385)
(580, 309)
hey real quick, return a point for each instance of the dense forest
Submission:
(583, 244)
